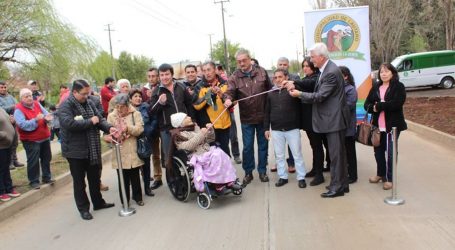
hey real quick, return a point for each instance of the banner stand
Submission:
(126, 210)
(394, 200)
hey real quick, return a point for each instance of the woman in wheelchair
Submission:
(211, 164)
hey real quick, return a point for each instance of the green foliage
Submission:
(416, 44)
(101, 68)
(4, 72)
(133, 67)
(218, 54)
(294, 66)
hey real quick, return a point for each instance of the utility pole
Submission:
(110, 46)
(303, 45)
(226, 60)
(211, 49)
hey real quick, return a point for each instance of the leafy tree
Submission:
(218, 54)
(101, 68)
(4, 72)
(294, 66)
(133, 67)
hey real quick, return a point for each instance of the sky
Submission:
(170, 31)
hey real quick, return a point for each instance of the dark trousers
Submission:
(14, 147)
(222, 137)
(384, 166)
(130, 178)
(6, 184)
(233, 137)
(55, 132)
(327, 151)
(338, 166)
(38, 153)
(316, 143)
(146, 172)
(351, 157)
(79, 168)
(248, 133)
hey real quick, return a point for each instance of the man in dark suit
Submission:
(329, 115)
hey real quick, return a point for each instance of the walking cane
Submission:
(126, 210)
(394, 200)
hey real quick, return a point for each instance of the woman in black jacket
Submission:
(385, 102)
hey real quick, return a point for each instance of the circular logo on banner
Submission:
(341, 34)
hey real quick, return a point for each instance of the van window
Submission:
(407, 65)
(444, 60)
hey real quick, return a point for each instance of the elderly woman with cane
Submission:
(128, 122)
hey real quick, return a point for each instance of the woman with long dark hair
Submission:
(349, 142)
(385, 102)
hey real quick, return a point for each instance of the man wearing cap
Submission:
(31, 119)
(8, 103)
(37, 95)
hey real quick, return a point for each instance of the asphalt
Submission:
(263, 217)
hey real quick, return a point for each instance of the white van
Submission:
(436, 68)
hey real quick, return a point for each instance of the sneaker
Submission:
(273, 169)
(5, 197)
(35, 186)
(14, 193)
(104, 187)
(237, 160)
(263, 177)
(51, 181)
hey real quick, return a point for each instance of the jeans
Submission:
(292, 137)
(38, 153)
(14, 146)
(233, 137)
(248, 131)
(384, 166)
(165, 136)
(6, 184)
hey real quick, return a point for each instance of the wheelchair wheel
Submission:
(237, 191)
(203, 200)
(178, 180)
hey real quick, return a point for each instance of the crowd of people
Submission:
(322, 103)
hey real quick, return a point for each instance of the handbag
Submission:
(367, 133)
(144, 146)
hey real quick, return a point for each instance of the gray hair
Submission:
(283, 59)
(242, 52)
(123, 81)
(122, 99)
(320, 49)
(24, 91)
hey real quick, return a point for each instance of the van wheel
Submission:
(447, 82)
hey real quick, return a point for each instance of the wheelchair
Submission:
(179, 178)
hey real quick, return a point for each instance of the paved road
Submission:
(429, 92)
(265, 217)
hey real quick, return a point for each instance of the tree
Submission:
(101, 68)
(4, 72)
(218, 54)
(133, 67)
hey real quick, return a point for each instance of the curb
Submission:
(26, 200)
(431, 134)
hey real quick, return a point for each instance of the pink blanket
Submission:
(213, 166)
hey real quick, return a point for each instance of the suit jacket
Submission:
(330, 113)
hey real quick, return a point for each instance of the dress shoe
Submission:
(18, 164)
(387, 185)
(312, 173)
(273, 169)
(263, 177)
(86, 215)
(149, 192)
(332, 194)
(281, 182)
(140, 203)
(375, 179)
(156, 184)
(346, 189)
(350, 181)
(302, 184)
(104, 206)
(317, 180)
(291, 169)
(237, 160)
(247, 179)
(103, 187)
(35, 186)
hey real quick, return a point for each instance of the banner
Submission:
(346, 33)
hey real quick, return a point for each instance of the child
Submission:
(211, 163)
